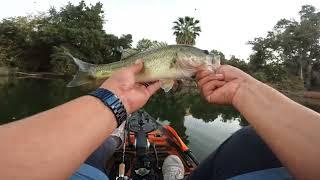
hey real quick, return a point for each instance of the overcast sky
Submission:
(227, 25)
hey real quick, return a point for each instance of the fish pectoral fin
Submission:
(79, 79)
(166, 84)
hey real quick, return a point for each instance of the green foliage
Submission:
(293, 45)
(220, 54)
(273, 72)
(144, 44)
(292, 48)
(18, 41)
(233, 61)
(186, 30)
(239, 63)
(27, 42)
(61, 62)
(260, 56)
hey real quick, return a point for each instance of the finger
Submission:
(152, 88)
(222, 68)
(145, 84)
(202, 67)
(201, 74)
(217, 97)
(210, 98)
(137, 67)
(209, 78)
(139, 86)
(208, 88)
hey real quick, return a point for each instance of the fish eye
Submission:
(206, 51)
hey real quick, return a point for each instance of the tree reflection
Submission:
(20, 98)
(175, 106)
(169, 107)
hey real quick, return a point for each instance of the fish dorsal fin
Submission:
(157, 45)
(128, 52)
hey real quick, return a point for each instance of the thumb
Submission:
(137, 67)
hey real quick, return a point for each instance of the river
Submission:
(201, 125)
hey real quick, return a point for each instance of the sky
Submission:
(227, 25)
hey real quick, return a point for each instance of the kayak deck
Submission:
(146, 163)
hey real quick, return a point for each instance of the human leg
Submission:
(241, 153)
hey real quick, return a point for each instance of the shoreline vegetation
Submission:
(298, 94)
(287, 58)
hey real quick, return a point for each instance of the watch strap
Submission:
(112, 101)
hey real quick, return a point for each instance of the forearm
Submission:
(54, 143)
(290, 130)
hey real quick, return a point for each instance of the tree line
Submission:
(290, 51)
(35, 43)
(292, 46)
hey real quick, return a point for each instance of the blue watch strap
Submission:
(112, 102)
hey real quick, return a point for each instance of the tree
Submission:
(144, 44)
(80, 29)
(260, 56)
(35, 43)
(309, 32)
(186, 30)
(18, 41)
(220, 54)
(294, 44)
(239, 63)
(300, 41)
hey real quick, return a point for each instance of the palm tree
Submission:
(186, 30)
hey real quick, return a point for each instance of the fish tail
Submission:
(83, 75)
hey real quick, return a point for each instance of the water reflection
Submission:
(24, 97)
(174, 107)
(201, 125)
(205, 137)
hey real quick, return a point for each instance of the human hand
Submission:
(220, 87)
(133, 95)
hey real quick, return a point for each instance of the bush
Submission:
(275, 72)
(260, 75)
(27, 42)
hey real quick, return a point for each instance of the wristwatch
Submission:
(112, 102)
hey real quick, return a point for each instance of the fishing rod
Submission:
(182, 145)
(122, 165)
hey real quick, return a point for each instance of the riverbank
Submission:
(293, 89)
(310, 99)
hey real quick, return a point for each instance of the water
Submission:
(202, 126)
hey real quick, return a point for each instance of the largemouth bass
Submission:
(165, 63)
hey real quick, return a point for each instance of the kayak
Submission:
(147, 144)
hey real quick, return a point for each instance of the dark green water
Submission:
(202, 126)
